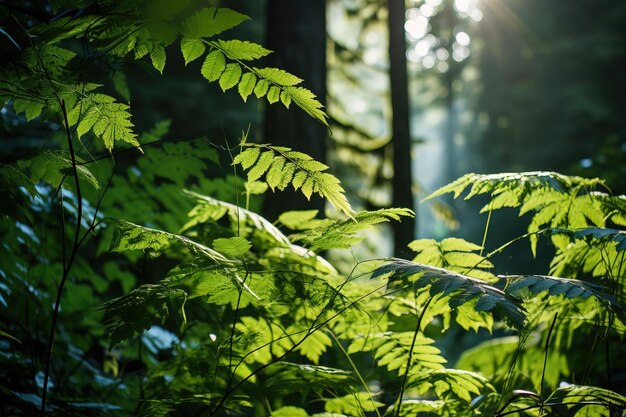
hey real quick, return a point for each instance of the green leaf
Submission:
(600, 234)
(570, 288)
(131, 314)
(237, 213)
(426, 408)
(346, 233)
(452, 383)
(255, 187)
(299, 219)
(157, 56)
(306, 100)
(107, 119)
(211, 21)
(233, 246)
(214, 65)
(352, 404)
(596, 401)
(393, 350)
(30, 107)
(459, 288)
(273, 94)
(242, 50)
(523, 182)
(261, 88)
(247, 158)
(490, 356)
(230, 76)
(278, 76)
(313, 346)
(261, 166)
(192, 48)
(289, 411)
(129, 236)
(284, 166)
(54, 166)
(454, 254)
(285, 98)
(246, 85)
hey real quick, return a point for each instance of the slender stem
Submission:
(484, 242)
(231, 371)
(356, 371)
(67, 267)
(545, 358)
(408, 362)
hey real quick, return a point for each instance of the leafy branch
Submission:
(282, 166)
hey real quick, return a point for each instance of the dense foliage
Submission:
(152, 286)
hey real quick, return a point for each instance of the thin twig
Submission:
(67, 267)
(410, 358)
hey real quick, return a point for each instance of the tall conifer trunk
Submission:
(401, 136)
(296, 32)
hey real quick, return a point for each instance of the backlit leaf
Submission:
(192, 48)
(214, 65)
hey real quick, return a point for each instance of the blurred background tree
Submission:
(290, 23)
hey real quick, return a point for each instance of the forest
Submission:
(331, 208)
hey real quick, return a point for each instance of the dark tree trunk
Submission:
(401, 137)
(296, 31)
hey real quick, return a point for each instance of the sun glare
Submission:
(434, 50)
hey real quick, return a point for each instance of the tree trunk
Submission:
(296, 31)
(401, 136)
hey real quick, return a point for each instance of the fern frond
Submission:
(106, 118)
(130, 236)
(131, 314)
(597, 258)
(570, 288)
(557, 200)
(393, 350)
(313, 346)
(328, 234)
(451, 383)
(300, 260)
(273, 83)
(514, 186)
(459, 288)
(215, 284)
(52, 166)
(263, 339)
(602, 235)
(211, 209)
(282, 166)
(589, 400)
(453, 254)
(286, 377)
